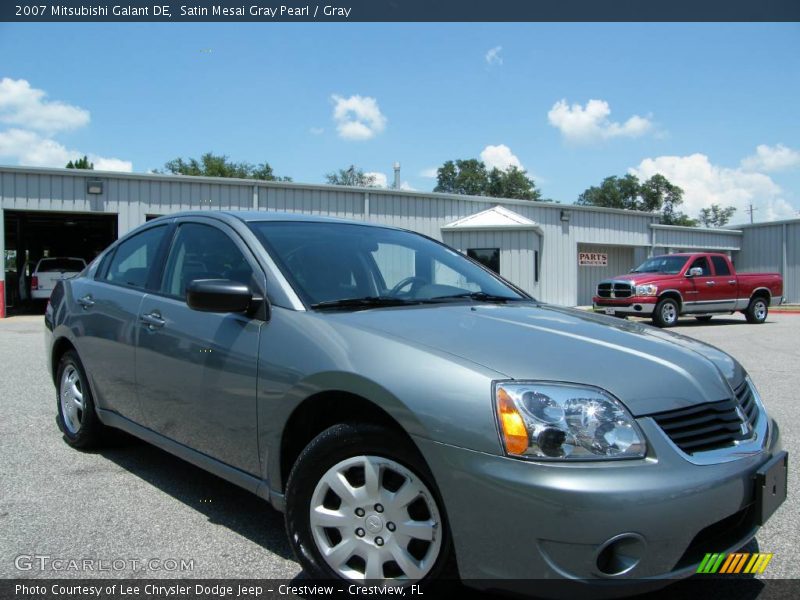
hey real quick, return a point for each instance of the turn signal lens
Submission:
(515, 434)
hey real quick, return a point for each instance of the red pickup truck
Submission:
(699, 284)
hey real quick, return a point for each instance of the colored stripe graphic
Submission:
(734, 563)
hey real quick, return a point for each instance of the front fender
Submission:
(430, 394)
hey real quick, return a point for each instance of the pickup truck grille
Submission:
(614, 289)
(711, 425)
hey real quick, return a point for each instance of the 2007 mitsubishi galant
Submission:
(412, 413)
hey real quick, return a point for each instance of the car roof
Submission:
(252, 216)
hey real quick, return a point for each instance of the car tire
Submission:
(76, 415)
(757, 310)
(666, 313)
(366, 539)
(704, 318)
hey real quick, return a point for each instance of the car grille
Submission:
(613, 289)
(711, 425)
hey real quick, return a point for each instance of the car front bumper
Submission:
(514, 520)
(642, 306)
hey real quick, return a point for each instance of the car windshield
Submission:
(670, 265)
(71, 265)
(350, 265)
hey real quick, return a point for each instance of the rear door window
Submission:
(720, 265)
(134, 258)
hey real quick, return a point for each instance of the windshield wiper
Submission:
(481, 296)
(365, 302)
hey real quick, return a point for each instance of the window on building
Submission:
(488, 257)
(536, 266)
(720, 265)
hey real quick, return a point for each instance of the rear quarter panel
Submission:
(750, 282)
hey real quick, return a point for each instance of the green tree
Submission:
(352, 176)
(214, 165)
(471, 177)
(716, 216)
(467, 177)
(512, 183)
(613, 192)
(81, 163)
(657, 195)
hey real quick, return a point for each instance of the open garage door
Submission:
(32, 235)
(598, 262)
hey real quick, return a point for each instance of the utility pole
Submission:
(751, 210)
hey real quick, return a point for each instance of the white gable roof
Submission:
(496, 217)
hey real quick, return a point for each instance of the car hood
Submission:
(650, 370)
(640, 278)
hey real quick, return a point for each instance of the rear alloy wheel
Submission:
(757, 310)
(361, 506)
(76, 415)
(666, 313)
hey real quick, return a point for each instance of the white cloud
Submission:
(316, 130)
(31, 149)
(27, 107)
(407, 187)
(379, 179)
(493, 56)
(37, 120)
(499, 156)
(357, 117)
(429, 173)
(705, 183)
(772, 158)
(591, 122)
(110, 164)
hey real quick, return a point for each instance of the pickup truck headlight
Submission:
(647, 290)
(553, 421)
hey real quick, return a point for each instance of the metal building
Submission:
(556, 252)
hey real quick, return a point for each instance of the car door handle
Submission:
(732, 281)
(711, 283)
(153, 320)
(86, 302)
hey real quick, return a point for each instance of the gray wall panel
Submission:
(134, 196)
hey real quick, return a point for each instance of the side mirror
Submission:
(218, 295)
(695, 272)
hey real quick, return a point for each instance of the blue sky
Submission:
(712, 106)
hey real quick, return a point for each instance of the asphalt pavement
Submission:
(157, 516)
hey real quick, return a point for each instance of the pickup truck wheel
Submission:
(666, 313)
(757, 310)
(76, 416)
(361, 505)
(704, 318)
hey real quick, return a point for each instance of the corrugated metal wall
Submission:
(517, 252)
(773, 247)
(620, 260)
(687, 239)
(132, 197)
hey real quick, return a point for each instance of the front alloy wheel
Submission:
(666, 313)
(361, 505)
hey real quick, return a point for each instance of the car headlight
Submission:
(553, 421)
(647, 290)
